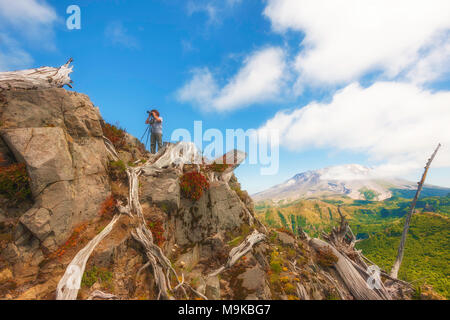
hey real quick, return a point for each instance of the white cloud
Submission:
(27, 13)
(25, 21)
(346, 39)
(433, 65)
(209, 8)
(396, 124)
(261, 78)
(200, 90)
(118, 35)
(215, 10)
(12, 56)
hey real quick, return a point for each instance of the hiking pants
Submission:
(155, 138)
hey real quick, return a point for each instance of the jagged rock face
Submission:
(163, 189)
(45, 151)
(218, 210)
(58, 135)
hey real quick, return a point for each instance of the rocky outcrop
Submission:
(218, 210)
(163, 189)
(58, 135)
(149, 231)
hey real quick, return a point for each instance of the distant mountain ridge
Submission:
(353, 180)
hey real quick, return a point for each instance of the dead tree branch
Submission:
(39, 78)
(237, 252)
(401, 247)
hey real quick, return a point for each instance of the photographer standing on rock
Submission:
(155, 121)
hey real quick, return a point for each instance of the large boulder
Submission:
(218, 210)
(162, 189)
(58, 135)
(255, 284)
(45, 151)
(50, 108)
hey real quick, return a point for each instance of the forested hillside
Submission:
(378, 225)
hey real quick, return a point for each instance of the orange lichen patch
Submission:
(115, 134)
(70, 243)
(108, 206)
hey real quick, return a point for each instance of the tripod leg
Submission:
(148, 139)
(144, 134)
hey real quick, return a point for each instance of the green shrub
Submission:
(368, 194)
(243, 195)
(118, 170)
(96, 274)
(217, 167)
(15, 183)
(276, 263)
(333, 296)
(235, 241)
(289, 288)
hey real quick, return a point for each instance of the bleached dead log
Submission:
(353, 280)
(302, 234)
(242, 249)
(124, 209)
(39, 78)
(69, 284)
(401, 247)
(343, 235)
(382, 291)
(232, 159)
(97, 294)
(301, 292)
(337, 285)
(144, 237)
(344, 240)
(161, 265)
(110, 149)
(177, 155)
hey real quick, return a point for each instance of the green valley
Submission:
(378, 226)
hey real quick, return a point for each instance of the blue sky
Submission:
(344, 81)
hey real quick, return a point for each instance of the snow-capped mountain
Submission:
(352, 180)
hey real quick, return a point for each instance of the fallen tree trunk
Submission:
(110, 149)
(352, 278)
(161, 265)
(97, 294)
(69, 284)
(40, 78)
(237, 252)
